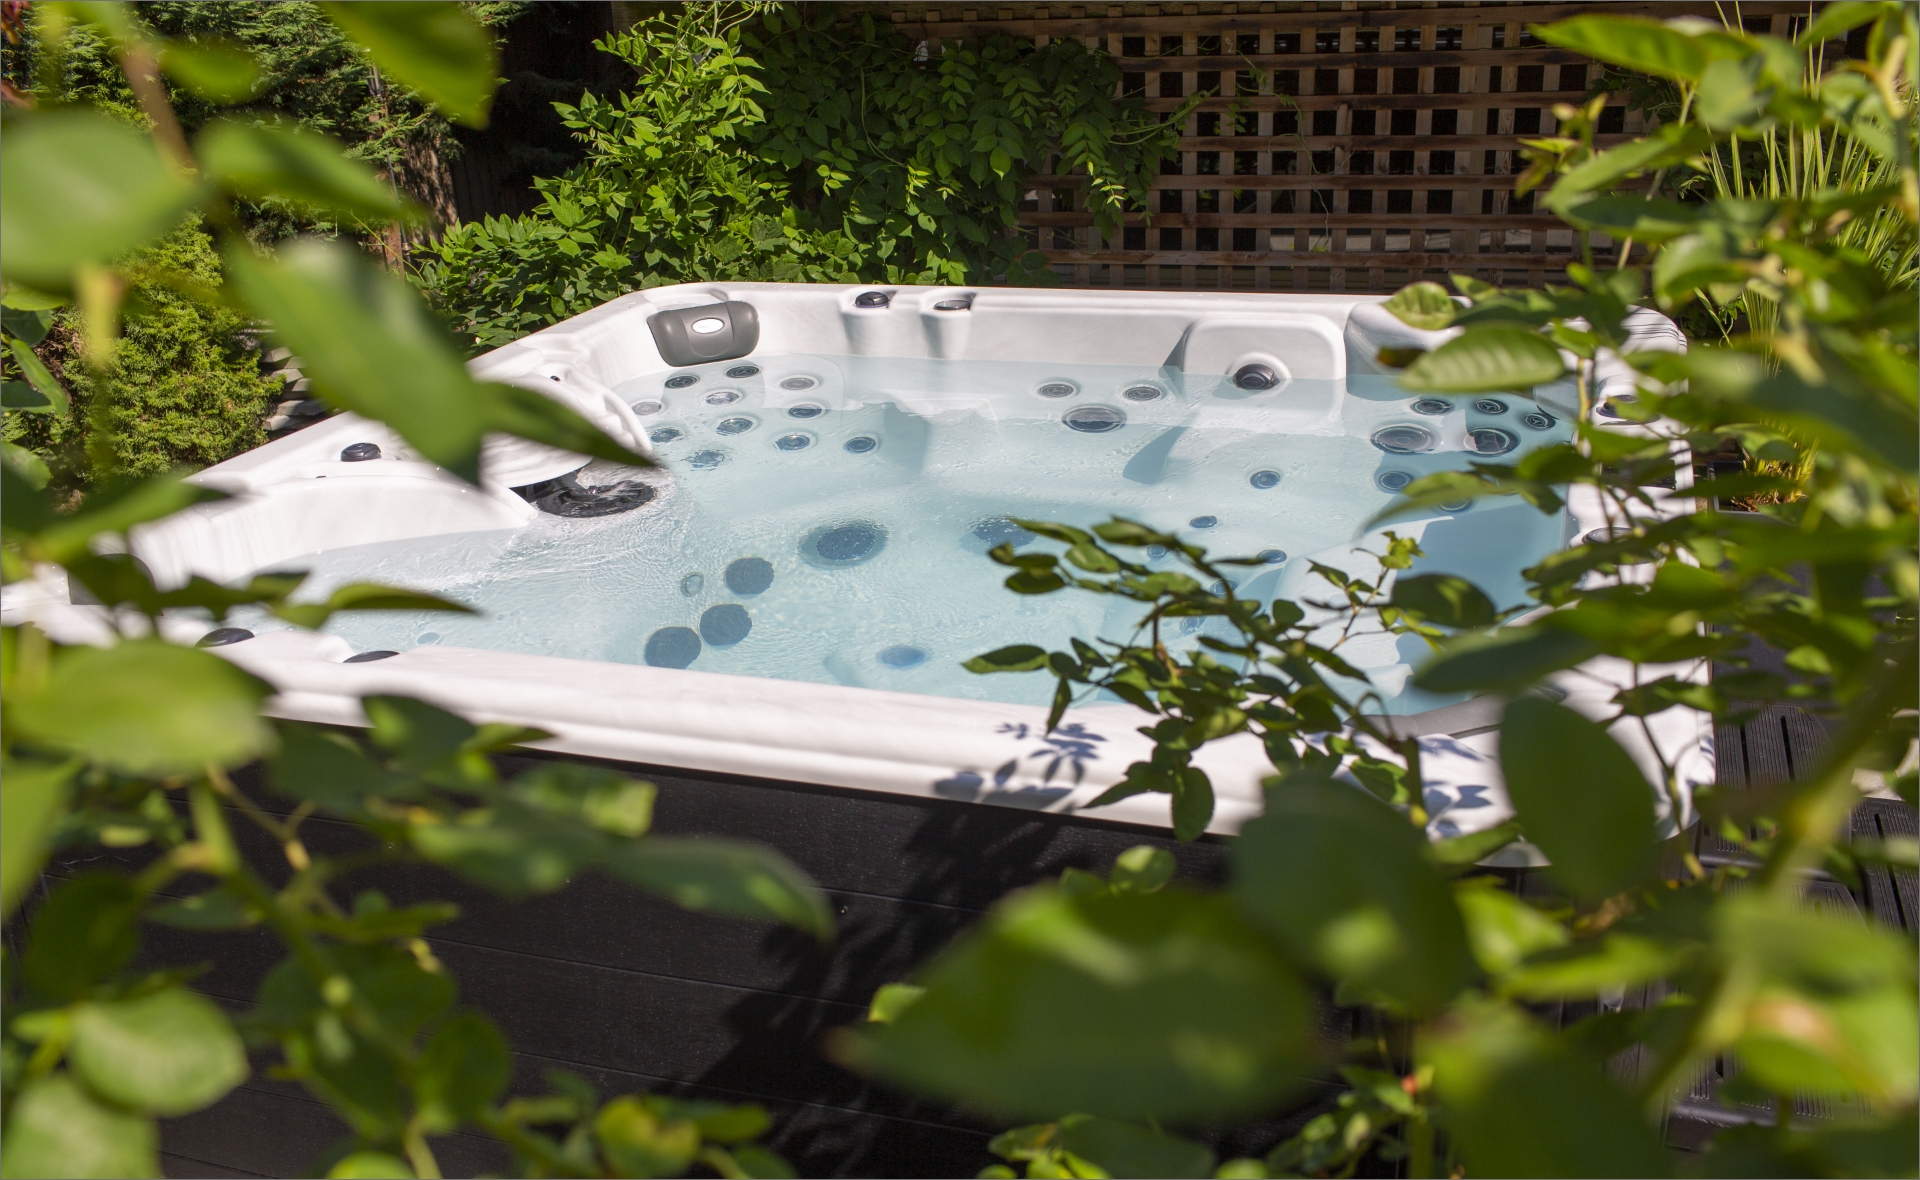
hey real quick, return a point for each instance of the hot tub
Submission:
(791, 594)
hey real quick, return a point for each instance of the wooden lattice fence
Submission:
(1348, 147)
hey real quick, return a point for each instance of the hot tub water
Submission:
(826, 518)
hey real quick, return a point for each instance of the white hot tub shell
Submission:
(294, 498)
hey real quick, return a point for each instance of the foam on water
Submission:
(870, 489)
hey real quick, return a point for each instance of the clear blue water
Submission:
(826, 518)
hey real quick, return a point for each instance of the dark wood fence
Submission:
(1346, 146)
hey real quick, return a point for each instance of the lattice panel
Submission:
(1349, 147)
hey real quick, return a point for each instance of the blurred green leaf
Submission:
(309, 169)
(1141, 869)
(1423, 305)
(1021, 657)
(719, 1122)
(371, 346)
(1485, 360)
(217, 909)
(638, 1143)
(1501, 928)
(1344, 881)
(365, 596)
(31, 325)
(1444, 599)
(1125, 1149)
(112, 508)
(77, 186)
(56, 1129)
(1590, 968)
(1833, 1007)
(1643, 219)
(329, 769)
(217, 71)
(511, 849)
(33, 800)
(86, 931)
(29, 468)
(1507, 659)
(39, 379)
(168, 1053)
(1521, 1103)
(725, 876)
(891, 999)
(370, 1165)
(1580, 797)
(1128, 1006)
(462, 1072)
(608, 800)
(145, 706)
(1474, 846)
(433, 46)
(1643, 45)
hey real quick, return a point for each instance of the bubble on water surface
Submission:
(692, 584)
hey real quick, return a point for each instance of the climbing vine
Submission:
(761, 144)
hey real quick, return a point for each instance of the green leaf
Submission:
(168, 1053)
(1345, 882)
(114, 508)
(1522, 1103)
(434, 47)
(217, 909)
(1156, 1005)
(55, 1129)
(39, 378)
(1423, 305)
(330, 770)
(1486, 360)
(530, 415)
(1444, 599)
(891, 999)
(638, 1143)
(1021, 657)
(1501, 928)
(758, 1162)
(369, 345)
(1505, 660)
(29, 468)
(31, 325)
(462, 1072)
(608, 800)
(727, 877)
(1474, 847)
(217, 71)
(15, 297)
(1642, 45)
(1644, 219)
(1141, 869)
(145, 706)
(1840, 17)
(77, 186)
(1590, 968)
(365, 596)
(1124, 1149)
(719, 1122)
(307, 168)
(1192, 804)
(370, 1165)
(33, 800)
(1579, 795)
(86, 931)
(511, 849)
